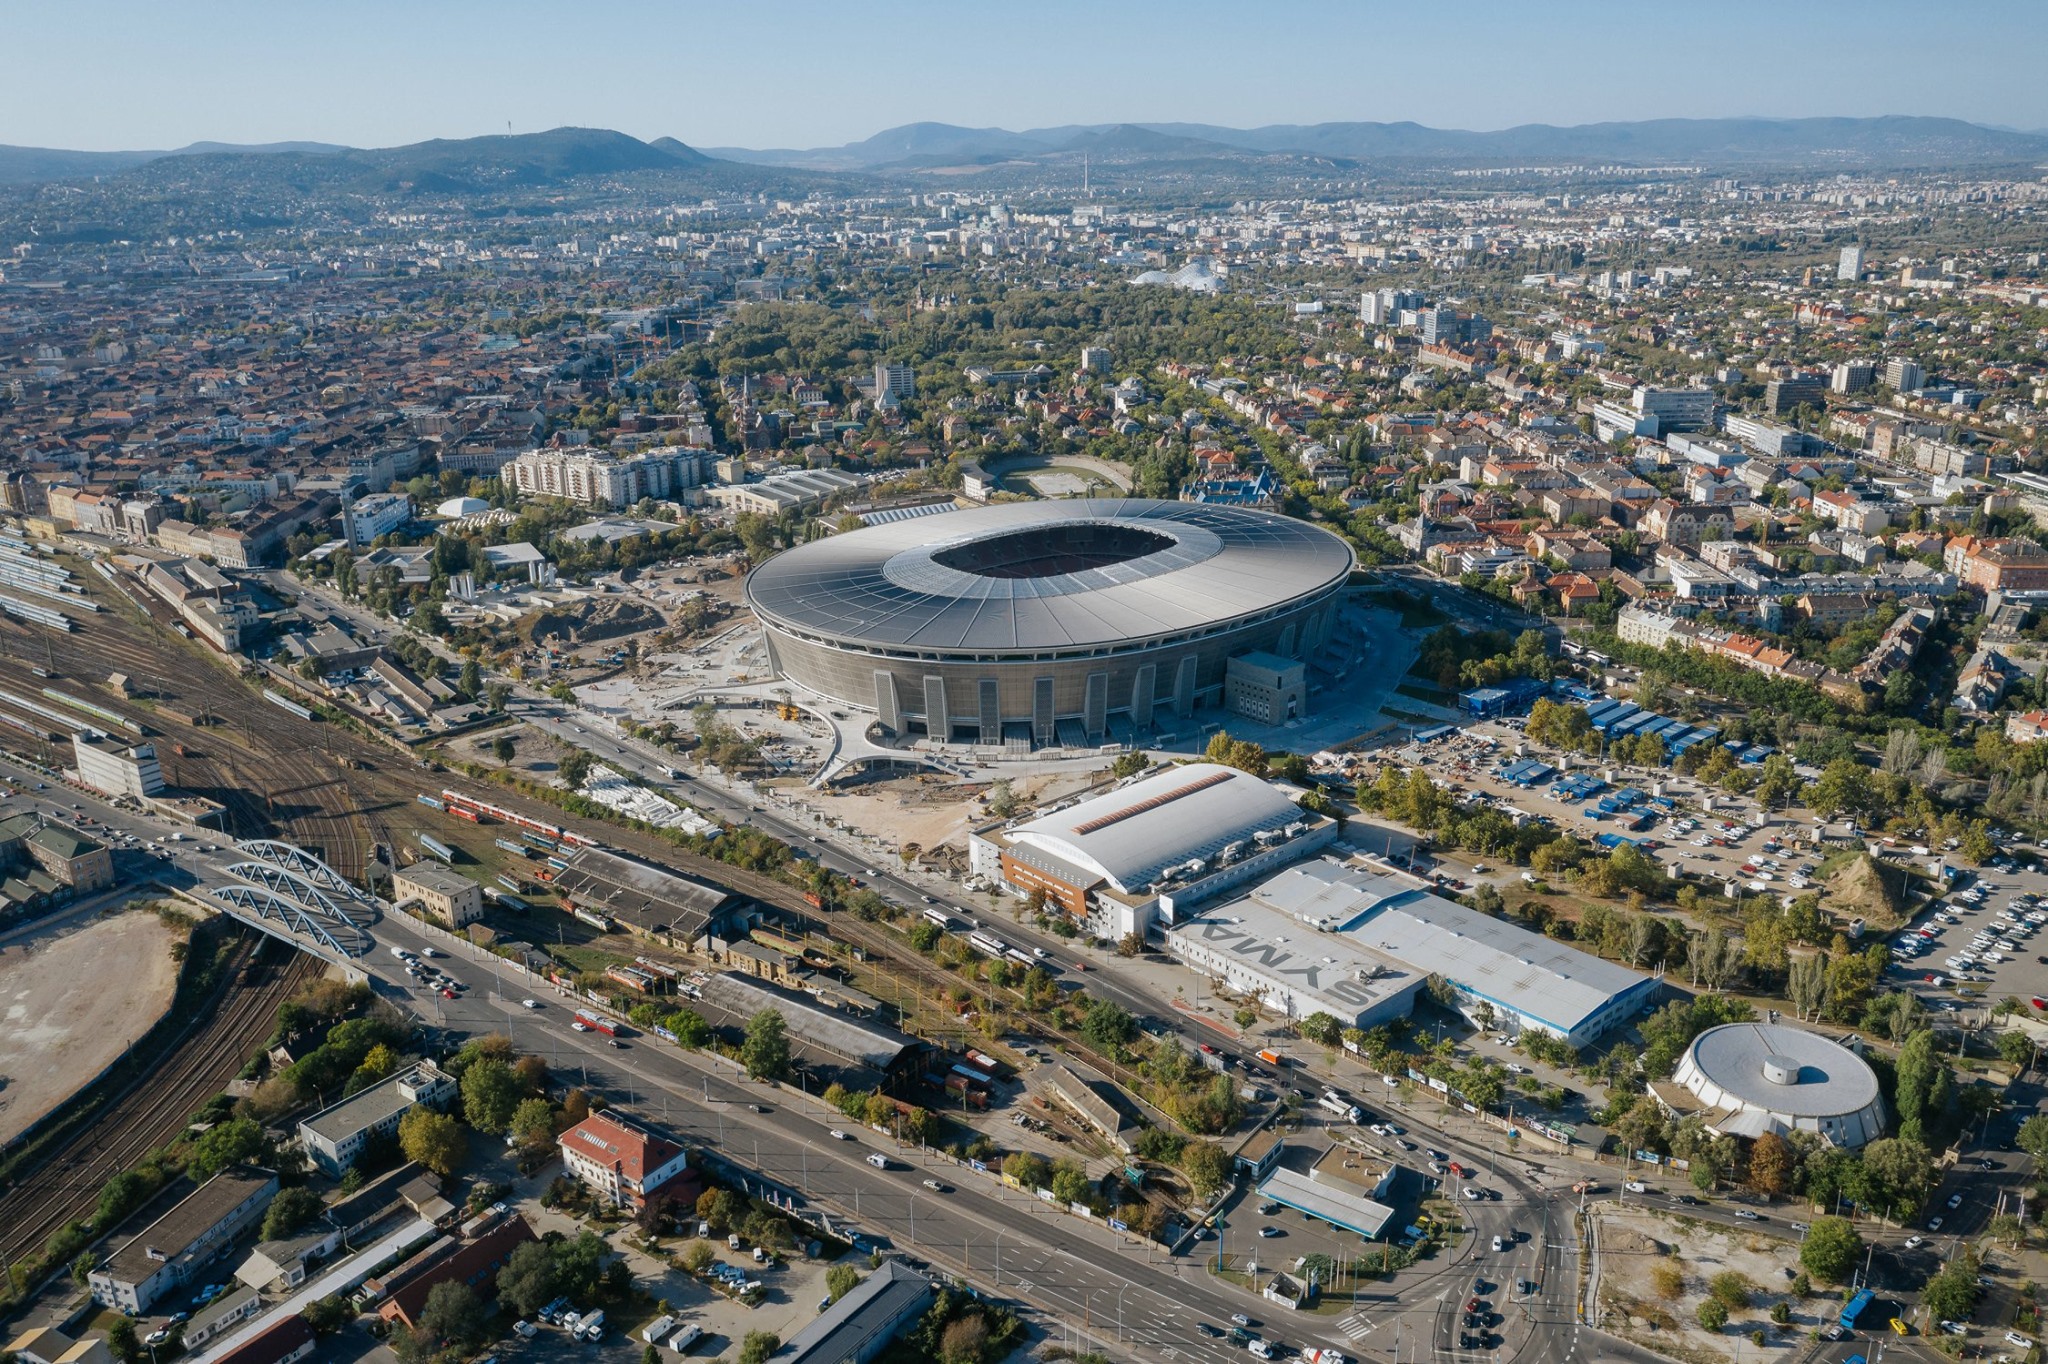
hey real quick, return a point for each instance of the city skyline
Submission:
(115, 75)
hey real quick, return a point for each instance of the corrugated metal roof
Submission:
(1133, 834)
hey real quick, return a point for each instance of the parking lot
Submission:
(1983, 936)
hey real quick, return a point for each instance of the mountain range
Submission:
(511, 161)
(1900, 141)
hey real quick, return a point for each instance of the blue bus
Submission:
(1853, 1308)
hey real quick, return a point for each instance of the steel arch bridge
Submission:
(338, 933)
(299, 863)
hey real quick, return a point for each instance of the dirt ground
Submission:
(931, 810)
(60, 1023)
(1635, 1245)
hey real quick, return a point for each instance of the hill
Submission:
(1862, 888)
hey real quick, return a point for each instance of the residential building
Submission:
(447, 895)
(2027, 727)
(591, 480)
(1997, 565)
(1849, 266)
(334, 1137)
(289, 1341)
(48, 1345)
(366, 518)
(172, 1250)
(1852, 376)
(623, 1162)
(897, 381)
(1903, 375)
(114, 770)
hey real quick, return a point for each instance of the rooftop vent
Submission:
(1781, 1070)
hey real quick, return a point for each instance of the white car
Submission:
(840, 1135)
(529, 1004)
(1636, 1186)
(1915, 1242)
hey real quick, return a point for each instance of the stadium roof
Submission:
(1820, 1078)
(1514, 968)
(1105, 572)
(1134, 833)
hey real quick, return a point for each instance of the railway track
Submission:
(156, 1106)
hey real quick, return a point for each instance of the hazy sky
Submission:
(761, 73)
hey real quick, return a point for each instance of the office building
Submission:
(449, 896)
(1903, 375)
(1675, 409)
(1850, 266)
(622, 1162)
(173, 1249)
(1852, 376)
(1265, 687)
(1782, 395)
(894, 381)
(113, 770)
(1372, 310)
(334, 1137)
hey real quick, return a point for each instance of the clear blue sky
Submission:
(761, 73)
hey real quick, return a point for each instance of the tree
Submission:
(527, 1283)
(1207, 1167)
(699, 1256)
(121, 1339)
(1713, 1314)
(689, 1028)
(453, 1315)
(470, 682)
(1129, 764)
(765, 1052)
(1322, 1028)
(291, 1209)
(533, 1122)
(758, 1345)
(1951, 1295)
(2033, 1137)
(840, 1280)
(1002, 798)
(490, 1095)
(434, 1140)
(1831, 1250)
(573, 768)
(1026, 1169)
(1069, 1181)
(1770, 1165)
(1897, 1173)
(503, 749)
(234, 1142)
(964, 1340)
(1108, 1026)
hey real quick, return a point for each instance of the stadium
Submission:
(1052, 622)
(1746, 1079)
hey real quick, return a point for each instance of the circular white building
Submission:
(1007, 621)
(462, 506)
(1747, 1079)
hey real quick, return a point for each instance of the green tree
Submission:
(689, 1028)
(1108, 1026)
(533, 1122)
(1322, 1029)
(2033, 1137)
(1713, 1314)
(290, 1210)
(527, 1282)
(841, 1279)
(1069, 1181)
(1207, 1167)
(236, 1141)
(503, 749)
(470, 682)
(1027, 1169)
(433, 1140)
(758, 1345)
(121, 1339)
(490, 1095)
(452, 1317)
(765, 1052)
(1832, 1249)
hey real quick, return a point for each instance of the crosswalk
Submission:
(1355, 1327)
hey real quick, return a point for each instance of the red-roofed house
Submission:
(621, 1160)
(289, 1340)
(473, 1262)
